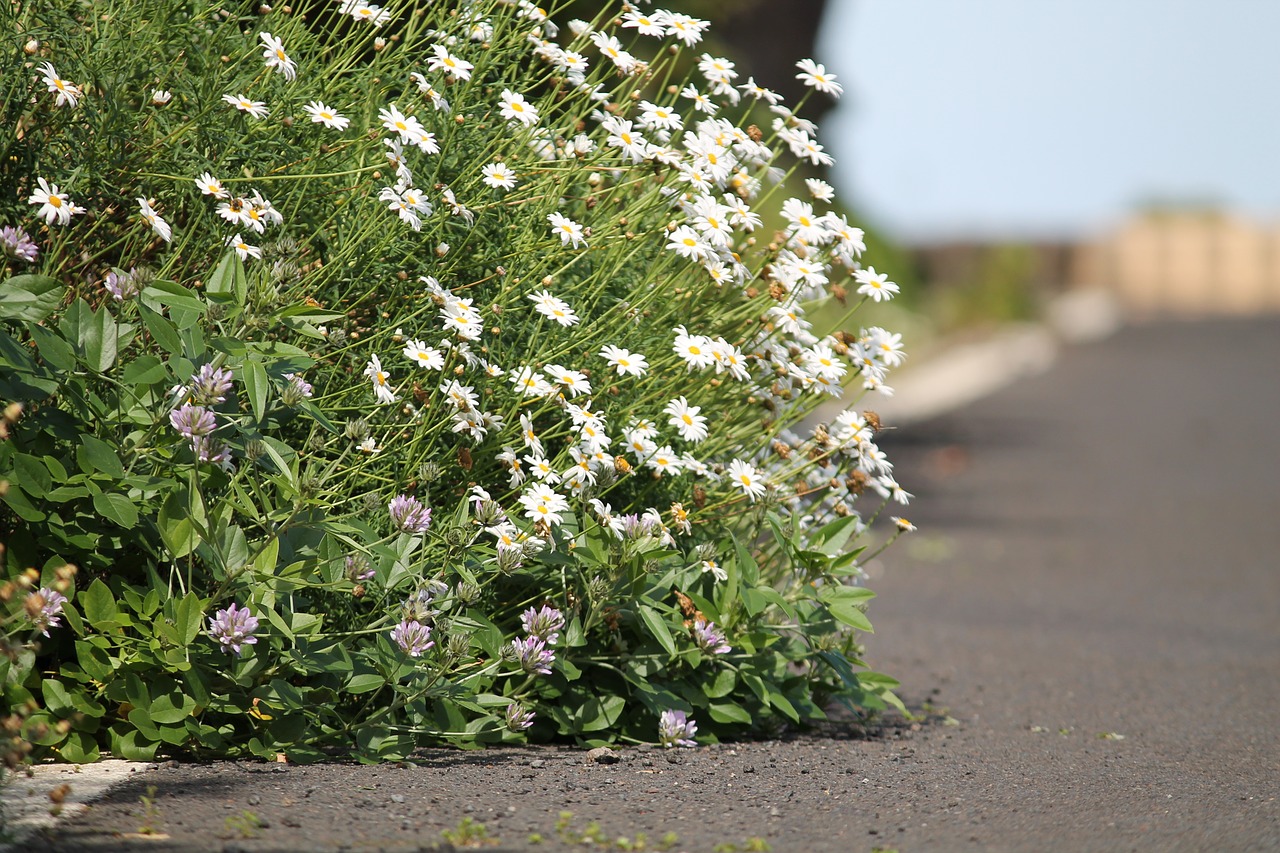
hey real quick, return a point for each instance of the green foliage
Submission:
(468, 833)
(268, 580)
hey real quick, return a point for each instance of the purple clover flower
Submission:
(296, 390)
(676, 729)
(533, 655)
(709, 639)
(234, 628)
(637, 526)
(210, 385)
(418, 607)
(16, 244)
(517, 718)
(545, 623)
(357, 568)
(408, 514)
(49, 602)
(191, 420)
(122, 286)
(412, 637)
(212, 450)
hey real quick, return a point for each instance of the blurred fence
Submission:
(1166, 263)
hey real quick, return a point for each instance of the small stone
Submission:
(603, 755)
(397, 798)
(537, 763)
(255, 800)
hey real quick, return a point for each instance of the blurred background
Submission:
(1023, 149)
(1003, 154)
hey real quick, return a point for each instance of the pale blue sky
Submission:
(1050, 117)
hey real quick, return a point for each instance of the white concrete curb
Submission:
(25, 807)
(961, 374)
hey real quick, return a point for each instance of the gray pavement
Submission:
(1089, 608)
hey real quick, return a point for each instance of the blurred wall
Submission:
(1186, 263)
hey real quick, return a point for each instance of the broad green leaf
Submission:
(171, 707)
(16, 499)
(598, 712)
(229, 279)
(31, 474)
(265, 561)
(185, 308)
(117, 508)
(30, 297)
(851, 615)
(144, 370)
(53, 348)
(849, 594)
(79, 748)
(56, 698)
(258, 385)
(98, 336)
(729, 712)
(176, 527)
(190, 617)
(162, 331)
(832, 537)
(131, 745)
(365, 682)
(657, 627)
(98, 604)
(723, 684)
(277, 620)
(94, 454)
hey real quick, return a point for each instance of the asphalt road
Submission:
(1089, 608)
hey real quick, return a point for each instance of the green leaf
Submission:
(117, 508)
(162, 331)
(94, 454)
(190, 617)
(16, 499)
(598, 712)
(657, 627)
(846, 604)
(365, 682)
(277, 620)
(132, 745)
(56, 698)
(723, 684)
(171, 707)
(98, 337)
(30, 297)
(98, 604)
(31, 474)
(79, 748)
(729, 712)
(176, 527)
(832, 537)
(144, 370)
(185, 308)
(265, 561)
(54, 349)
(257, 384)
(229, 279)
(851, 615)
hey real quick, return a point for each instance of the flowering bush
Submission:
(421, 374)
